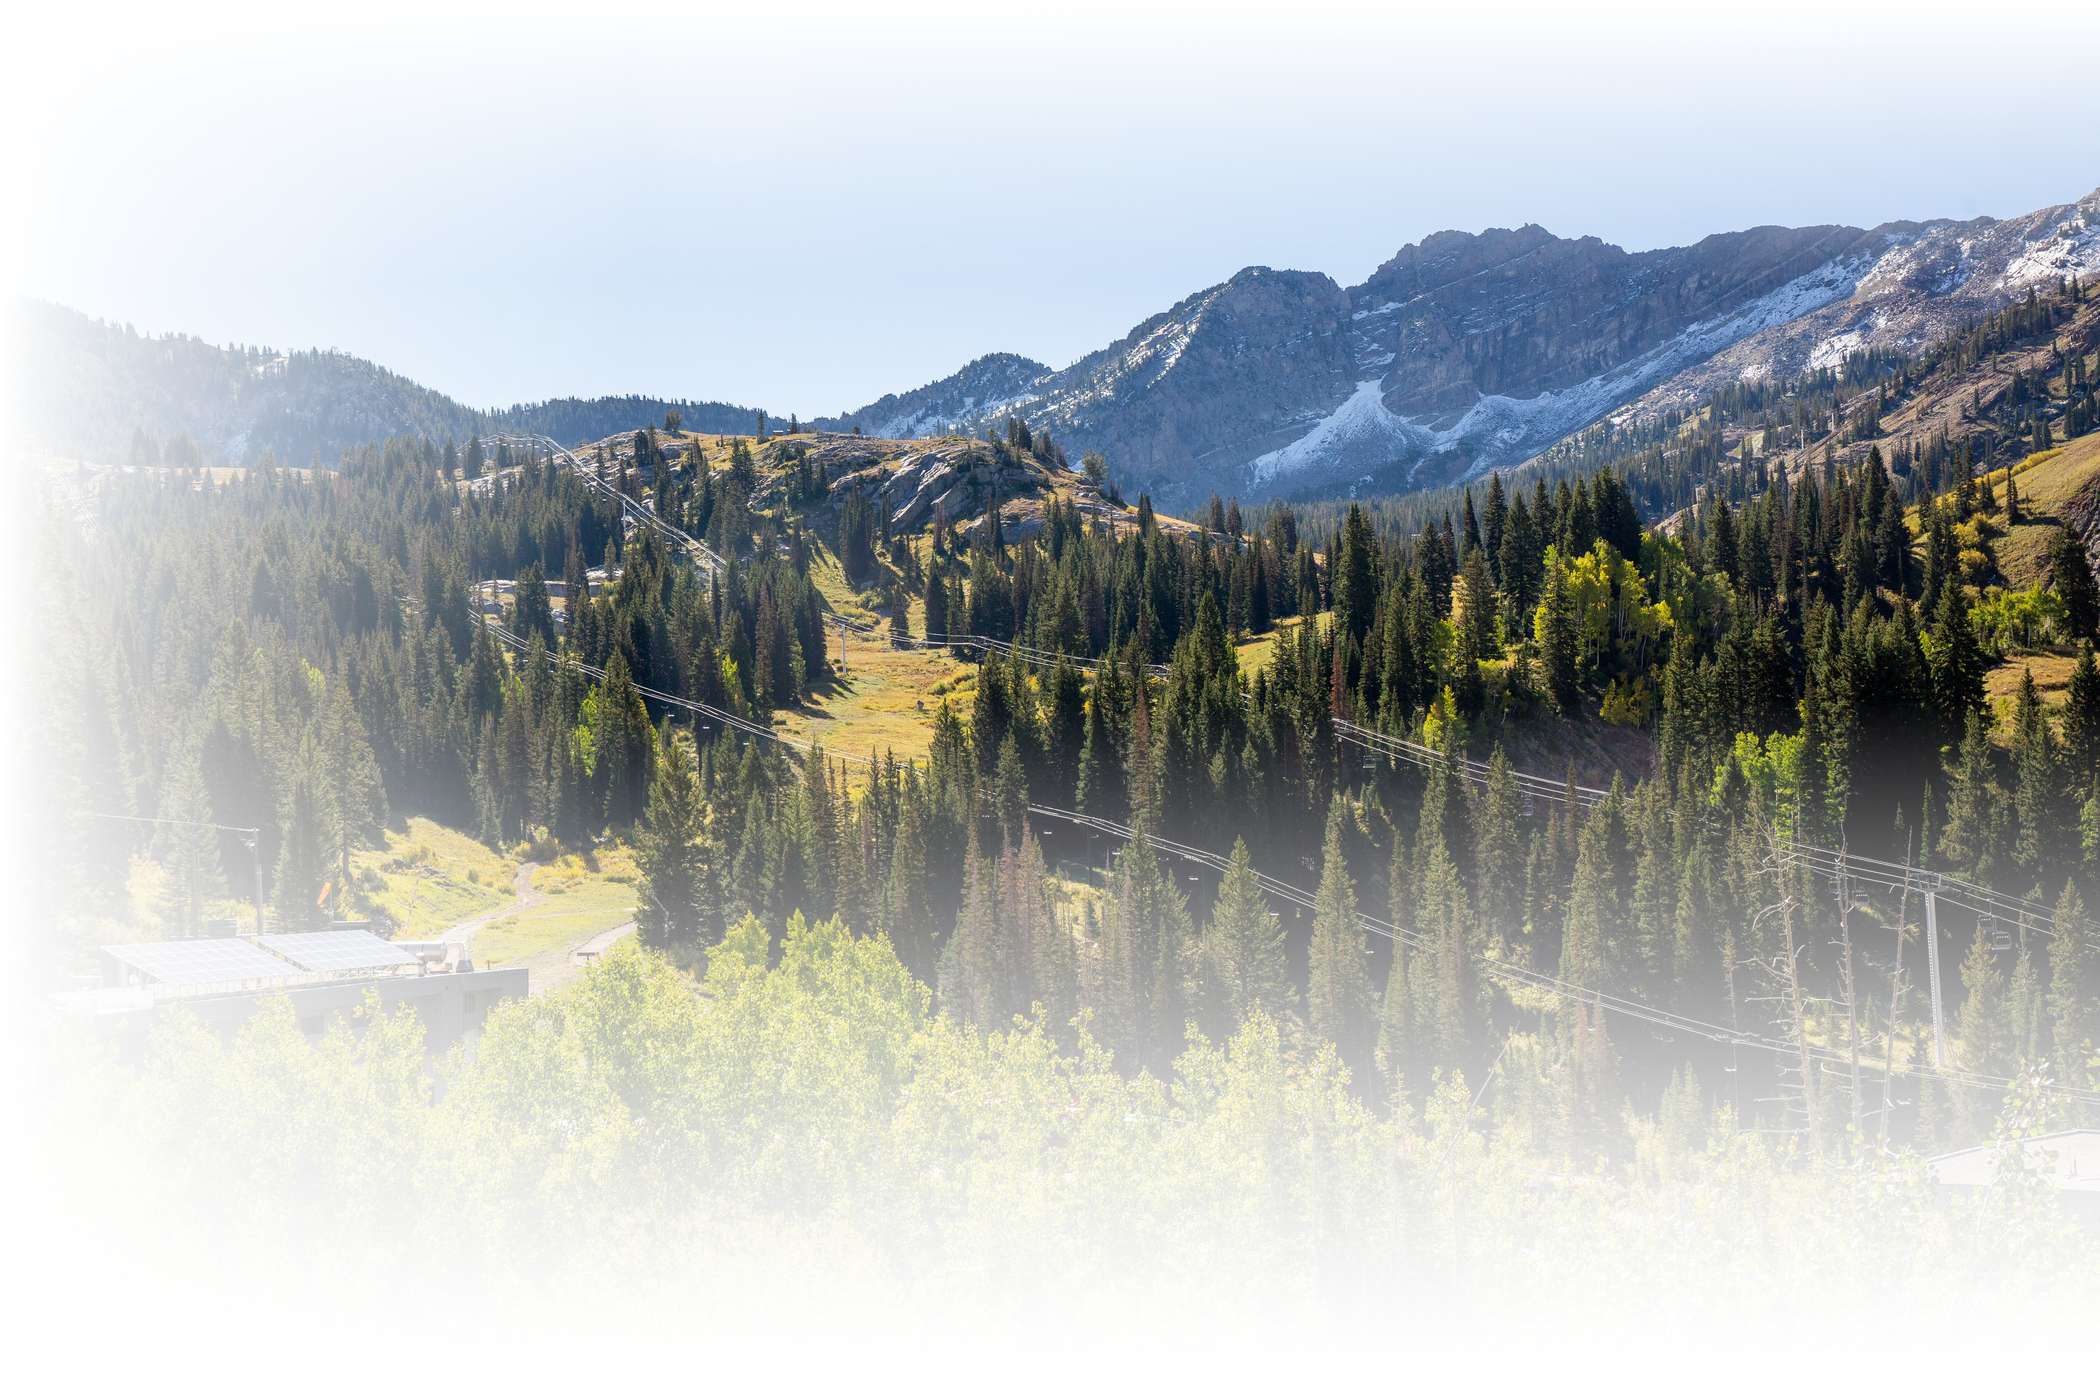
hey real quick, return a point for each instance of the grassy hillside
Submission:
(885, 697)
(571, 898)
(426, 878)
(2051, 485)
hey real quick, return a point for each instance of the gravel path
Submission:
(523, 897)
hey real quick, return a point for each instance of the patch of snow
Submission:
(1369, 312)
(1830, 352)
(2074, 251)
(1360, 426)
(949, 414)
(1498, 424)
(1163, 346)
(1498, 428)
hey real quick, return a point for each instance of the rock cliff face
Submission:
(1199, 386)
(1469, 351)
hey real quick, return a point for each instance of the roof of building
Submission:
(202, 962)
(339, 950)
(184, 965)
(2070, 1160)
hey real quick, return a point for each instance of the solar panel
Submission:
(339, 950)
(202, 962)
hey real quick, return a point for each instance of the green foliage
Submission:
(674, 853)
(632, 1130)
(2005, 619)
(1338, 996)
(1239, 965)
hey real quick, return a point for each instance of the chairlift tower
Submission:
(1932, 966)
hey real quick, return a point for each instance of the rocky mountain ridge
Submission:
(92, 389)
(1470, 351)
(1461, 353)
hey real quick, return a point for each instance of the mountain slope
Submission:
(1469, 351)
(1933, 278)
(87, 388)
(1463, 352)
(979, 391)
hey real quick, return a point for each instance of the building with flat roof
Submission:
(322, 974)
(2069, 1161)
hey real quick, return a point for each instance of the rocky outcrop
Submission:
(912, 481)
(2082, 517)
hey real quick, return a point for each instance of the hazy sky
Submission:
(807, 208)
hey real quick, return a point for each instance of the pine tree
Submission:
(1558, 643)
(355, 795)
(2082, 726)
(1065, 731)
(1145, 949)
(2071, 575)
(1239, 963)
(1042, 946)
(1395, 1052)
(1498, 852)
(937, 626)
(1983, 1028)
(188, 847)
(910, 921)
(1099, 791)
(1009, 789)
(1355, 576)
(2038, 805)
(1588, 952)
(532, 612)
(1969, 839)
(302, 860)
(670, 850)
(1493, 522)
(622, 741)
(1442, 970)
(975, 961)
(1476, 606)
(1957, 665)
(2069, 1000)
(1338, 995)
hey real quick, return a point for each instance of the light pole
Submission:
(251, 837)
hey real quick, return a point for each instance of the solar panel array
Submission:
(339, 950)
(202, 962)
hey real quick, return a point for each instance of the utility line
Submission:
(1976, 898)
(1817, 859)
(1503, 969)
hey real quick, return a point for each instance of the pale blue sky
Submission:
(808, 210)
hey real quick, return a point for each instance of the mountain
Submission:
(978, 392)
(1469, 351)
(91, 389)
(1464, 352)
(1926, 287)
